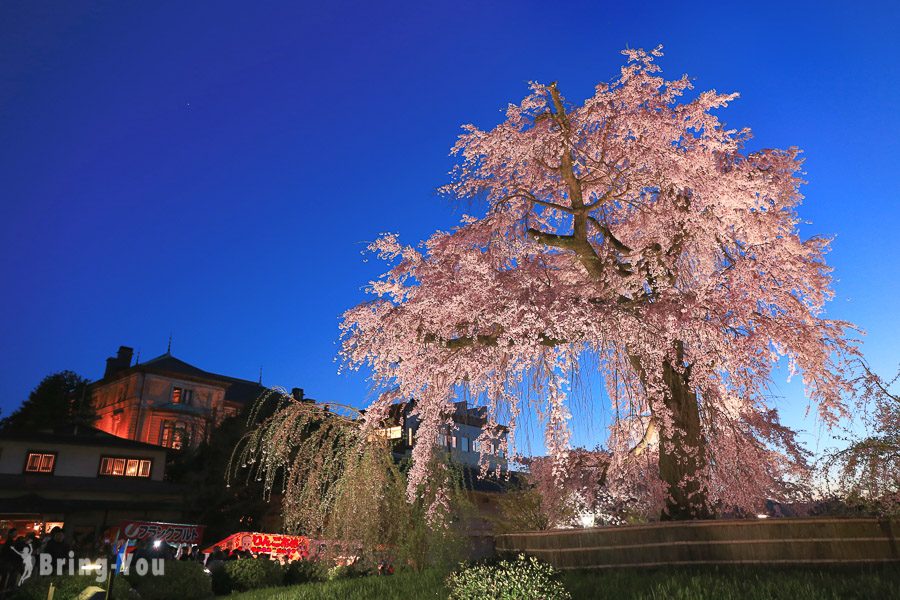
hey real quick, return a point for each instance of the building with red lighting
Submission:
(166, 401)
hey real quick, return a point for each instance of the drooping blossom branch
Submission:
(634, 232)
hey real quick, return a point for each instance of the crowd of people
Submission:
(149, 549)
(18, 552)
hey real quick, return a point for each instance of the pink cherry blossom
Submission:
(633, 234)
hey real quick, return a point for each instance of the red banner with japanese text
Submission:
(172, 533)
(294, 546)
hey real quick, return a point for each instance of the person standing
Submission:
(56, 546)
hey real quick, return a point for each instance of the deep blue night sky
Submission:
(213, 170)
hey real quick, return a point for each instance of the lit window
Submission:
(409, 433)
(175, 435)
(453, 439)
(182, 395)
(124, 467)
(40, 462)
(392, 433)
(476, 446)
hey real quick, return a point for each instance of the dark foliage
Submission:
(59, 399)
(222, 507)
(182, 579)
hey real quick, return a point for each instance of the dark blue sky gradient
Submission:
(213, 170)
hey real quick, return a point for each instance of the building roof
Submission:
(36, 484)
(77, 435)
(239, 391)
(463, 414)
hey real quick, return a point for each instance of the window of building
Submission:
(40, 462)
(175, 435)
(125, 467)
(182, 395)
(453, 441)
(464, 444)
(392, 433)
(476, 446)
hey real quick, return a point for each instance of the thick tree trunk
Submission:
(682, 450)
(682, 447)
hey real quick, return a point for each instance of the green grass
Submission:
(663, 584)
(733, 583)
(402, 586)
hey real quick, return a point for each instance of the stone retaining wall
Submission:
(762, 541)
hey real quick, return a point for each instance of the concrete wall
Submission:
(764, 541)
(470, 457)
(459, 455)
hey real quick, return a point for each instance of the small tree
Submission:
(59, 399)
(867, 471)
(339, 482)
(570, 493)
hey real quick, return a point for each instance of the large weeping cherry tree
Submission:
(634, 237)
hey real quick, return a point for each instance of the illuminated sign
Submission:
(173, 533)
(295, 546)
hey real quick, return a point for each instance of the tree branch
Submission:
(484, 340)
(618, 245)
(645, 439)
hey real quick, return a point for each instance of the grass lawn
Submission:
(664, 584)
(402, 586)
(733, 583)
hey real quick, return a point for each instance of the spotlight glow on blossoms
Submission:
(634, 235)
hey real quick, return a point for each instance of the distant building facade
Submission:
(166, 401)
(461, 439)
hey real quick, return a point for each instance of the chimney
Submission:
(124, 355)
(119, 362)
(297, 393)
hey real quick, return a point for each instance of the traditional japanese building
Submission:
(166, 401)
(82, 480)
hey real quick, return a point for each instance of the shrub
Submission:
(346, 571)
(182, 579)
(525, 578)
(305, 571)
(68, 587)
(252, 573)
(219, 579)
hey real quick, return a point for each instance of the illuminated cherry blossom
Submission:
(635, 235)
